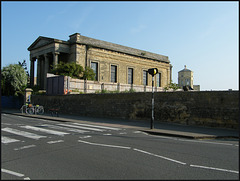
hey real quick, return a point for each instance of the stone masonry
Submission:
(48, 52)
(203, 108)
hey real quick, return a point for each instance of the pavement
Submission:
(160, 128)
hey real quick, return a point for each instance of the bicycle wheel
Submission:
(24, 109)
(30, 110)
(40, 110)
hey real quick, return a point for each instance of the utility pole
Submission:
(152, 72)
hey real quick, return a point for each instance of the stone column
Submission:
(42, 72)
(46, 66)
(32, 71)
(55, 59)
(38, 71)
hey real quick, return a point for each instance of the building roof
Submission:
(185, 69)
(100, 44)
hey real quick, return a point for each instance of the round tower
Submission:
(185, 77)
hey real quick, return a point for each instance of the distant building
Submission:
(185, 78)
(111, 62)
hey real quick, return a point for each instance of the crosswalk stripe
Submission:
(5, 139)
(96, 126)
(65, 128)
(45, 130)
(23, 133)
(75, 126)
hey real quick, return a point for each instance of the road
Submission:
(42, 149)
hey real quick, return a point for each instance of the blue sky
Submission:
(203, 35)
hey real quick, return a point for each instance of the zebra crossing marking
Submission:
(65, 128)
(45, 130)
(96, 126)
(81, 127)
(74, 127)
(23, 133)
(5, 140)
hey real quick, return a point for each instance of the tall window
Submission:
(113, 73)
(145, 80)
(158, 76)
(94, 66)
(130, 76)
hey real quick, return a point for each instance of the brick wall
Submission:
(205, 108)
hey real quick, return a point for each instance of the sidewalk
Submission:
(165, 129)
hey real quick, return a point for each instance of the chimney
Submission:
(74, 37)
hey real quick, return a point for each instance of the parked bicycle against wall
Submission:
(31, 109)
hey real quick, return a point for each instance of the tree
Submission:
(13, 80)
(172, 85)
(88, 74)
(24, 65)
(74, 70)
(69, 69)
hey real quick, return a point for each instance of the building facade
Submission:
(111, 62)
(185, 78)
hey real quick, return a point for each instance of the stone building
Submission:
(111, 62)
(185, 78)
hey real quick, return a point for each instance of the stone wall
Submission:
(205, 108)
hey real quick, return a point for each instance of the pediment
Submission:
(39, 42)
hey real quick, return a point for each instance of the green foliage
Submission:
(172, 85)
(74, 70)
(104, 91)
(69, 69)
(88, 74)
(14, 80)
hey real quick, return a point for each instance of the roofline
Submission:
(105, 45)
(120, 48)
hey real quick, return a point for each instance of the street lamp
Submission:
(152, 71)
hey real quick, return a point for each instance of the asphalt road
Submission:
(43, 149)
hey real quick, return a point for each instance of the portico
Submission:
(46, 52)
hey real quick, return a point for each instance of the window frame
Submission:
(97, 69)
(115, 73)
(145, 83)
(132, 70)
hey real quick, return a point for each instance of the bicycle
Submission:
(39, 109)
(31, 109)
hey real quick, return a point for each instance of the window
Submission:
(130, 76)
(145, 81)
(158, 76)
(113, 73)
(94, 66)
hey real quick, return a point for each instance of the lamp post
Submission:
(152, 71)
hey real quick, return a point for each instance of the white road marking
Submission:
(59, 133)
(122, 133)
(96, 126)
(85, 136)
(98, 144)
(8, 140)
(23, 133)
(12, 172)
(25, 147)
(212, 168)
(65, 128)
(160, 156)
(57, 141)
(107, 134)
(6, 124)
(75, 126)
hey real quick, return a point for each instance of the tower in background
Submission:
(185, 78)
